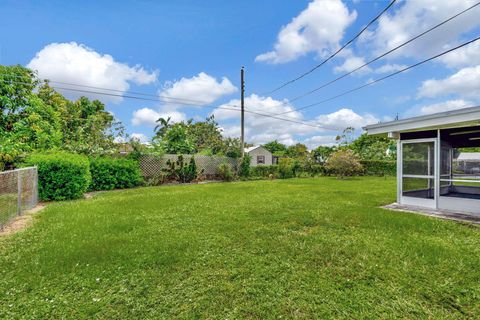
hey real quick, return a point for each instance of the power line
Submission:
(385, 77)
(335, 53)
(383, 54)
(203, 106)
(373, 60)
(114, 90)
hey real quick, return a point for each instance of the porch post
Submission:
(399, 171)
(438, 148)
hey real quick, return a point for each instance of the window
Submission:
(260, 159)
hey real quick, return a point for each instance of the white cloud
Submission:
(412, 18)
(148, 117)
(315, 141)
(440, 107)
(466, 56)
(201, 88)
(79, 64)
(352, 63)
(344, 118)
(389, 68)
(260, 129)
(319, 28)
(463, 83)
(140, 137)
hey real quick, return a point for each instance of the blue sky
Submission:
(193, 50)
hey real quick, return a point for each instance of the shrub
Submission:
(244, 170)
(157, 179)
(188, 172)
(264, 171)
(180, 171)
(114, 173)
(344, 163)
(225, 172)
(379, 167)
(61, 175)
(287, 168)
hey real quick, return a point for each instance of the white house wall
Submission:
(260, 152)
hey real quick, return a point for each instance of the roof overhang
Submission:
(450, 119)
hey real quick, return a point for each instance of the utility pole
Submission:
(242, 105)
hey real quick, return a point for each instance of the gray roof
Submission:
(466, 156)
(250, 149)
(466, 116)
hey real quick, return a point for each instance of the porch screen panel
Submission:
(418, 167)
(464, 179)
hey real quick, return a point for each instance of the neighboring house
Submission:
(469, 162)
(260, 156)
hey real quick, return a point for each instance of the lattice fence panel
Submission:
(206, 165)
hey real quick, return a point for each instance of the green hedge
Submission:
(264, 171)
(61, 175)
(379, 167)
(114, 173)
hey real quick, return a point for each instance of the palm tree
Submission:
(162, 127)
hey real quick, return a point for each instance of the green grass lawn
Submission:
(299, 248)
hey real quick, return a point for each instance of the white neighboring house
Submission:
(260, 156)
(469, 162)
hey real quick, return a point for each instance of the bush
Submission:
(61, 175)
(225, 172)
(287, 168)
(244, 170)
(188, 172)
(264, 171)
(180, 171)
(114, 173)
(344, 163)
(379, 167)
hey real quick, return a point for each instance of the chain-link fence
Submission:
(206, 165)
(18, 192)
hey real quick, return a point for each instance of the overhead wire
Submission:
(335, 53)
(385, 77)
(203, 106)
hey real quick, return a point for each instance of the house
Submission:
(469, 162)
(260, 156)
(428, 148)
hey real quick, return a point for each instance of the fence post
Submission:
(35, 187)
(19, 192)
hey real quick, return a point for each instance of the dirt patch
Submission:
(21, 222)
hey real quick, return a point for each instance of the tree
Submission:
(176, 140)
(298, 150)
(206, 135)
(26, 122)
(374, 147)
(275, 147)
(346, 137)
(16, 88)
(343, 163)
(85, 124)
(33, 116)
(232, 147)
(162, 127)
(322, 153)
